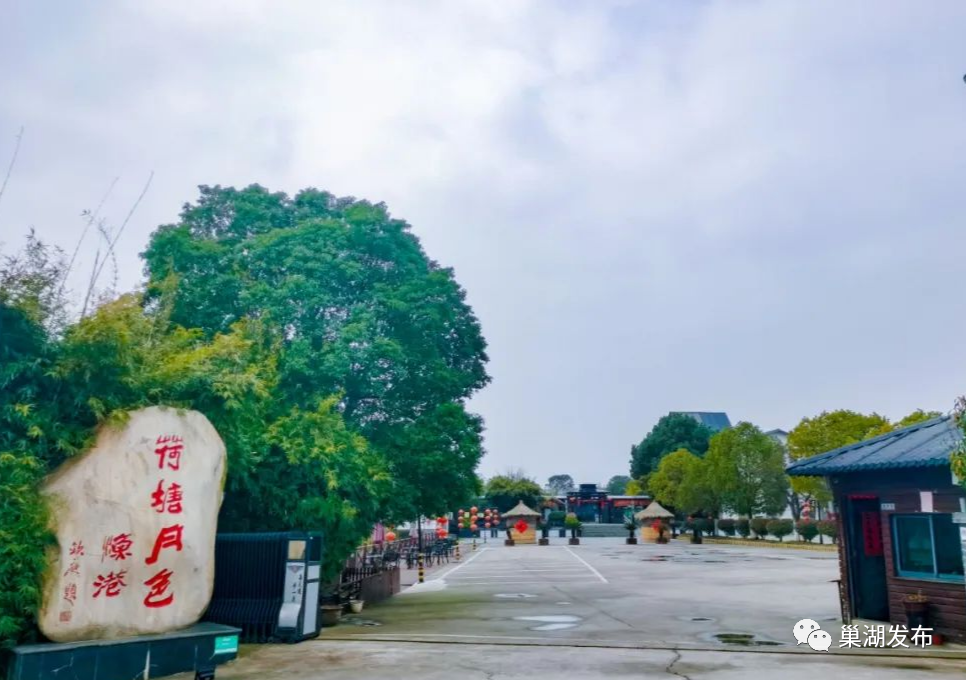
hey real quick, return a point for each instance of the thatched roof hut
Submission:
(521, 510)
(654, 511)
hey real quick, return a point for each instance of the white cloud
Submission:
(711, 205)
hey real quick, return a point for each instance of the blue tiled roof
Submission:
(926, 444)
(715, 421)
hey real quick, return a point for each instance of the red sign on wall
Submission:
(872, 533)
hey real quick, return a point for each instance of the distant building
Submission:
(595, 506)
(713, 420)
(779, 436)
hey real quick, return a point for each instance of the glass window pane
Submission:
(914, 540)
(949, 553)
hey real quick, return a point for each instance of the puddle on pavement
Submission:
(355, 621)
(551, 621)
(513, 596)
(695, 618)
(743, 639)
(563, 603)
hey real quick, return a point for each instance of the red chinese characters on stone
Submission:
(70, 593)
(168, 449)
(110, 584)
(167, 499)
(168, 537)
(65, 616)
(159, 584)
(73, 569)
(117, 547)
(77, 549)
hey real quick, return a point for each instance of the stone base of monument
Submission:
(199, 648)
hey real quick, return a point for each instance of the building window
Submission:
(927, 546)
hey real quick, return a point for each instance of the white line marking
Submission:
(491, 576)
(588, 582)
(460, 566)
(584, 562)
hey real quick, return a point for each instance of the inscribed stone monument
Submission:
(135, 519)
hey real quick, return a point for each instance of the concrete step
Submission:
(591, 530)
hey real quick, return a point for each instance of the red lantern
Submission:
(461, 512)
(473, 527)
(390, 536)
(441, 520)
(487, 525)
(473, 509)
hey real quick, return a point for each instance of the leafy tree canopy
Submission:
(357, 310)
(665, 483)
(505, 491)
(617, 484)
(560, 484)
(672, 432)
(748, 468)
(832, 429)
(634, 488)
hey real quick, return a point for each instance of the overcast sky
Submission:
(752, 207)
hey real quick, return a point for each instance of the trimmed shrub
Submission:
(807, 529)
(743, 527)
(556, 518)
(760, 526)
(829, 528)
(727, 526)
(705, 525)
(779, 528)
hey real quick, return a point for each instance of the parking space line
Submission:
(460, 566)
(584, 562)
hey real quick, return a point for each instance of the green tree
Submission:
(672, 472)
(672, 432)
(560, 484)
(617, 484)
(682, 482)
(505, 491)
(824, 432)
(748, 468)
(634, 488)
(357, 309)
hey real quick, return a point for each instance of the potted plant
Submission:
(544, 534)
(330, 605)
(695, 526)
(355, 606)
(574, 525)
(631, 525)
(916, 606)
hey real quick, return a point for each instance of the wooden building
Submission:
(594, 506)
(897, 501)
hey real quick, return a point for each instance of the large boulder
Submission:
(135, 519)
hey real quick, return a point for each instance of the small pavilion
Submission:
(647, 517)
(522, 513)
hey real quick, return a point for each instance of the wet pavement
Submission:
(601, 609)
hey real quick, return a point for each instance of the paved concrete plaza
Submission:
(602, 609)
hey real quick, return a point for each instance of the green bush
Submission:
(807, 529)
(556, 518)
(743, 527)
(705, 525)
(23, 518)
(829, 528)
(779, 528)
(727, 526)
(760, 526)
